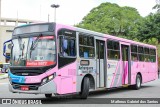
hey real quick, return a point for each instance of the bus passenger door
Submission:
(126, 64)
(100, 54)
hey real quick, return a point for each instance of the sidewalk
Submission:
(3, 75)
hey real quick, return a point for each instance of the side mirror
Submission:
(9, 47)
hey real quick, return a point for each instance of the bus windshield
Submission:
(33, 51)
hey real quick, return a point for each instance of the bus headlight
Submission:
(49, 78)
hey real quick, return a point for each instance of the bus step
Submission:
(126, 85)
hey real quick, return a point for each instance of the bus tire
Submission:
(48, 95)
(137, 86)
(85, 88)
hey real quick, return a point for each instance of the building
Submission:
(6, 28)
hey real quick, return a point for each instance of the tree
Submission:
(150, 28)
(112, 19)
(157, 6)
(152, 41)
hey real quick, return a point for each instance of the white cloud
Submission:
(143, 6)
(70, 11)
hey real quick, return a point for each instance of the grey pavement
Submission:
(148, 90)
(3, 76)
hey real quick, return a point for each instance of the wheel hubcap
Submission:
(138, 82)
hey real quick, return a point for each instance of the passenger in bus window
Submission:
(72, 48)
(135, 59)
(65, 45)
(81, 52)
(145, 59)
(115, 56)
(85, 54)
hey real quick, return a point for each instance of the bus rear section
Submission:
(56, 59)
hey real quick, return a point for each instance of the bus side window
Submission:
(113, 50)
(152, 55)
(67, 47)
(134, 55)
(86, 46)
(64, 47)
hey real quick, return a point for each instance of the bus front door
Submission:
(100, 48)
(126, 64)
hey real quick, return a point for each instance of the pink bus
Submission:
(55, 59)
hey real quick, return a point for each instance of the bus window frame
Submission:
(82, 45)
(133, 52)
(146, 54)
(118, 59)
(60, 45)
(140, 53)
(155, 54)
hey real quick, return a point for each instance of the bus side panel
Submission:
(83, 70)
(114, 73)
(143, 69)
(66, 76)
(66, 79)
(153, 73)
(135, 68)
(147, 69)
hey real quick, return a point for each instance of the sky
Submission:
(70, 12)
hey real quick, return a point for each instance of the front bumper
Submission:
(47, 88)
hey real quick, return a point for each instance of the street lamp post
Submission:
(0, 12)
(55, 6)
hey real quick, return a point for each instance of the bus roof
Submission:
(108, 36)
(97, 34)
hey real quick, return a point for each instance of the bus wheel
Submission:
(85, 88)
(138, 82)
(48, 95)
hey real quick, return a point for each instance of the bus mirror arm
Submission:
(4, 48)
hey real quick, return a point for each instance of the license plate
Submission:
(24, 88)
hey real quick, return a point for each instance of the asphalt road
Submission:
(148, 90)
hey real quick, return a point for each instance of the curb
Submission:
(4, 76)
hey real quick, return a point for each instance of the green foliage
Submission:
(112, 19)
(149, 28)
(124, 22)
(157, 6)
(152, 41)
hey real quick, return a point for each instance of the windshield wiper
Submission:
(20, 42)
(21, 47)
(34, 44)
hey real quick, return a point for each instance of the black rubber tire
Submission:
(85, 88)
(137, 86)
(48, 95)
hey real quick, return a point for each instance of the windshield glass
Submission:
(34, 51)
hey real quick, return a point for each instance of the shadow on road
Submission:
(75, 99)
(114, 91)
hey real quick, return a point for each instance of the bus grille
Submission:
(26, 73)
(31, 86)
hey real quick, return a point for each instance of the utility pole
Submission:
(48, 17)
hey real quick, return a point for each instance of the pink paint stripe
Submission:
(119, 78)
(125, 72)
(114, 74)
